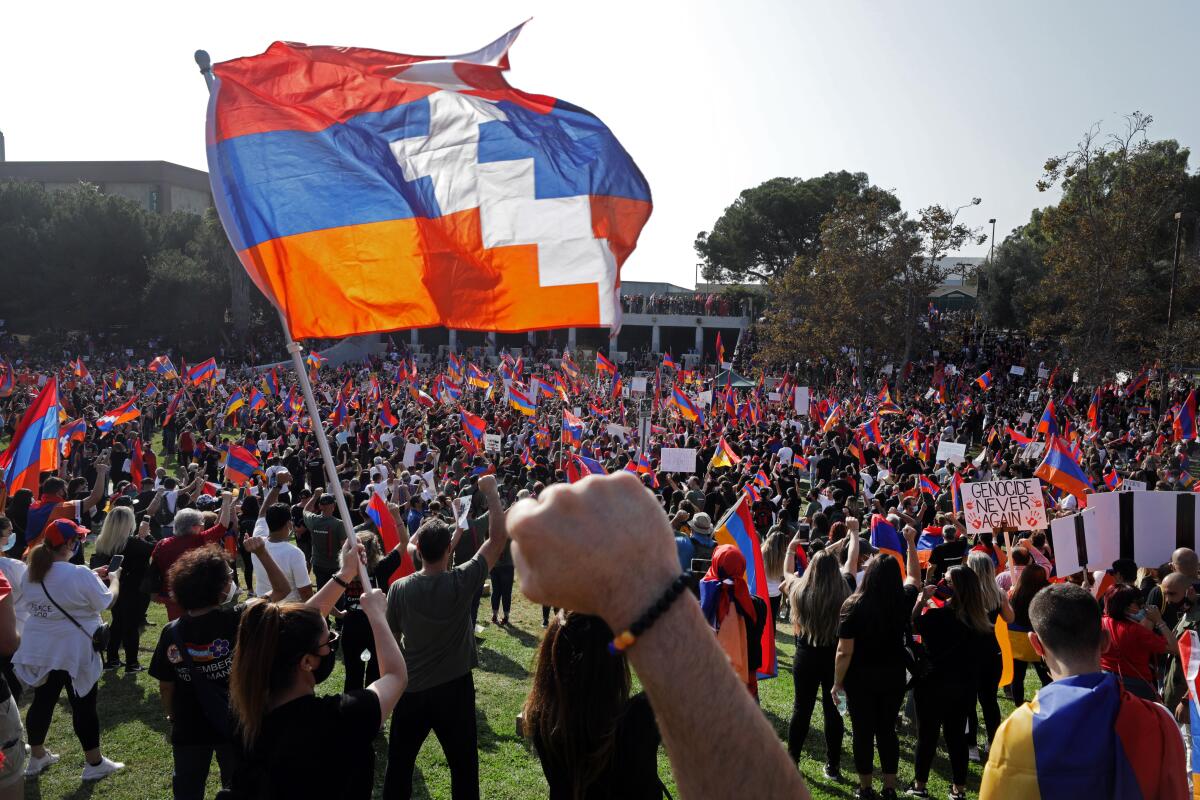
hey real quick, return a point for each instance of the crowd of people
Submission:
(456, 477)
(706, 303)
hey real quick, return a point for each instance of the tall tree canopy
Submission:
(771, 225)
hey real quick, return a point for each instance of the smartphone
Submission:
(115, 564)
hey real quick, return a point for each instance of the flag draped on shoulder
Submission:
(368, 191)
(737, 529)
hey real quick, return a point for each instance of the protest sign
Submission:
(774, 397)
(706, 398)
(1130, 485)
(1043, 372)
(802, 400)
(951, 452)
(410, 453)
(1014, 504)
(1144, 526)
(1015, 370)
(1074, 542)
(677, 459)
(491, 443)
(617, 430)
(1025, 417)
(1034, 395)
(1033, 451)
(638, 385)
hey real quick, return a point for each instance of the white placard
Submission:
(410, 454)
(774, 397)
(802, 398)
(951, 452)
(1130, 485)
(638, 385)
(577, 411)
(1033, 451)
(618, 430)
(677, 459)
(706, 398)
(128, 352)
(1043, 372)
(1144, 526)
(1015, 370)
(930, 393)
(1074, 542)
(1015, 504)
(491, 443)
(1034, 395)
(1028, 415)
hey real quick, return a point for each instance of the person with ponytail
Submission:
(296, 744)
(64, 602)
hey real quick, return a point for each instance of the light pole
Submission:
(992, 243)
(1174, 272)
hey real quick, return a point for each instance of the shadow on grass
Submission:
(493, 661)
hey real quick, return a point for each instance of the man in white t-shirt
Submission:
(275, 525)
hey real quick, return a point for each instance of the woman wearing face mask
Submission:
(194, 657)
(1136, 634)
(283, 651)
(117, 537)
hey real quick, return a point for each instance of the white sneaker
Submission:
(36, 766)
(104, 768)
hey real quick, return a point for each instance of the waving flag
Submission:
(886, 539)
(737, 528)
(476, 378)
(257, 401)
(81, 371)
(572, 429)
(203, 372)
(6, 379)
(34, 447)
(137, 464)
(1059, 468)
(668, 362)
(984, 381)
(173, 406)
(235, 401)
(688, 409)
(579, 467)
(474, 428)
(315, 359)
(240, 464)
(1048, 424)
(519, 401)
(74, 431)
(1112, 479)
(270, 383)
(926, 485)
(724, 456)
(162, 365)
(150, 390)
(127, 412)
(379, 513)
(720, 350)
(871, 431)
(799, 461)
(412, 191)
(604, 365)
(1184, 425)
(615, 391)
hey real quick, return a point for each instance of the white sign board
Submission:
(1015, 504)
(491, 443)
(410, 453)
(677, 459)
(1130, 485)
(1028, 415)
(1144, 526)
(1074, 542)
(1043, 372)
(802, 400)
(1015, 370)
(638, 385)
(1033, 451)
(1034, 395)
(774, 397)
(617, 430)
(930, 393)
(706, 398)
(951, 452)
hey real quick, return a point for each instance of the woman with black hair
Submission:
(593, 739)
(869, 669)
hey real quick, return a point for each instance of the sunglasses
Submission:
(331, 642)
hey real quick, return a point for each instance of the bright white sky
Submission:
(938, 100)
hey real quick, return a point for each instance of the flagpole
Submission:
(310, 401)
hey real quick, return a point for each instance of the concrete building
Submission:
(158, 186)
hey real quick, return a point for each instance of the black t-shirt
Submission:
(632, 771)
(955, 649)
(879, 656)
(947, 555)
(319, 747)
(210, 639)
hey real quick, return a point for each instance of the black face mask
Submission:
(325, 668)
(1182, 607)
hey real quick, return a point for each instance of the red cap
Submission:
(61, 531)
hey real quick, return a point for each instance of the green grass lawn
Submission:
(134, 731)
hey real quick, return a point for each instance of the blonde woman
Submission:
(118, 538)
(774, 550)
(816, 599)
(995, 602)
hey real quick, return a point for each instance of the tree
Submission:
(1010, 293)
(845, 295)
(1110, 243)
(771, 225)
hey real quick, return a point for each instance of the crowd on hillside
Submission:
(817, 511)
(708, 304)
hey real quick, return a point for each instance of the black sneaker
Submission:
(887, 794)
(134, 668)
(111, 665)
(832, 773)
(913, 791)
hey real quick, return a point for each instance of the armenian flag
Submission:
(75, 431)
(799, 461)
(984, 381)
(752, 492)
(150, 390)
(270, 383)
(476, 378)
(926, 485)
(257, 400)
(315, 359)
(668, 362)
(474, 427)
(527, 458)
(569, 366)
(834, 418)
(81, 372)
(1184, 425)
(1093, 412)
(572, 429)
(687, 409)
(137, 464)
(1018, 439)
(1048, 424)
(203, 372)
(604, 365)
(720, 350)
(162, 365)
(520, 402)
(580, 466)
(871, 431)
(886, 539)
(235, 401)
(1059, 468)
(34, 448)
(379, 513)
(615, 392)
(173, 406)
(240, 464)
(126, 412)
(737, 528)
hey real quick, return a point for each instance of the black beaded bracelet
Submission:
(625, 640)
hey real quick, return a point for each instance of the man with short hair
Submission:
(1185, 562)
(327, 533)
(275, 525)
(431, 614)
(1082, 735)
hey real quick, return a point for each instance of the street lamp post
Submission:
(1174, 272)
(992, 243)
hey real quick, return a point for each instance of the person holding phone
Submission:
(120, 547)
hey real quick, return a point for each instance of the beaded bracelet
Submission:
(625, 640)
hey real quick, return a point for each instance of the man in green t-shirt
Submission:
(431, 614)
(327, 535)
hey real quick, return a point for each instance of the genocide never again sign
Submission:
(997, 505)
